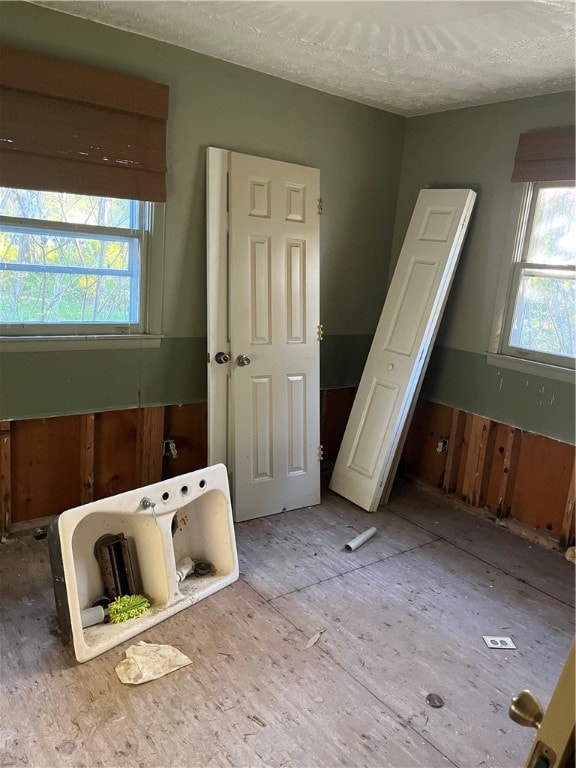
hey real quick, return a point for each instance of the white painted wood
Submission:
(274, 313)
(264, 419)
(217, 300)
(402, 345)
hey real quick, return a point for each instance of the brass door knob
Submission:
(525, 709)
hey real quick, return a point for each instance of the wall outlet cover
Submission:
(495, 641)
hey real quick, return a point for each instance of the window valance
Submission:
(71, 127)
(545, 155)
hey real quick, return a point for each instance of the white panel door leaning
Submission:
(401, 347)
(272, 380)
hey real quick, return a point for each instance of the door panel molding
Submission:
(370, 450)
(263, 309)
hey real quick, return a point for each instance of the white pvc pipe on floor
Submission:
(359, 540)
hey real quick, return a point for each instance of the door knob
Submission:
(222, 357)
(525, 709)
(243, 360)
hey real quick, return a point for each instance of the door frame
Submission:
(218, 331)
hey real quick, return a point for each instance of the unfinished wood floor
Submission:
(402, 617)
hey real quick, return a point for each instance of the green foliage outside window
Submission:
(68, 258)
(544, 317)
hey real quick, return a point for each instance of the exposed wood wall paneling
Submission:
(454, 453)
(86, 458)
(541, 489)
(45, 467)
(187, 425)
(430, 424)
(463, 455)
(567, 538)
(507, 479)
(149, 445)
(5, 479)
(115, 436)
(49, 465)
(478, 461)
(513, 473)
(335, 407)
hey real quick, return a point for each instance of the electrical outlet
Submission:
(493, 641)
(442, 446)
(170, 449)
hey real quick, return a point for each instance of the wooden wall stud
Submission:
(86, 458)
(5, 479)
(508, 477)
(478, 461)
(455, 443)
(567, 538)
(149, 445)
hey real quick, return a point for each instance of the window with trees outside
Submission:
(82, 193)
(71, 264)
(540, 317)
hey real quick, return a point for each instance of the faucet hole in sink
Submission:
(202, 483)
(165, 496)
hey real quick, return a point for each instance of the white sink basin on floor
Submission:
(185, 516)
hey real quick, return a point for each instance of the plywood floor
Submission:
(402, 617)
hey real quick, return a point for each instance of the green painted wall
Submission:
(48, 383)
(464, 380)
(475, 148)
(368, 202)
(357, 149)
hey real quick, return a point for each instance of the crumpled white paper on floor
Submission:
(148, 661)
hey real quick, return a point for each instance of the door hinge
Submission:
(320, 204)
(320, 452)
(320, 332)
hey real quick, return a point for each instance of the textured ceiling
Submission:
(408, 57)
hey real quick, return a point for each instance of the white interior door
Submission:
(264, 420)
(401, 347)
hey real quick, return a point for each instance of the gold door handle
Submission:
(525, 709)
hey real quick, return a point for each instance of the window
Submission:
(534, 324)
(82, 192)
(540, 317)
(71, 263)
